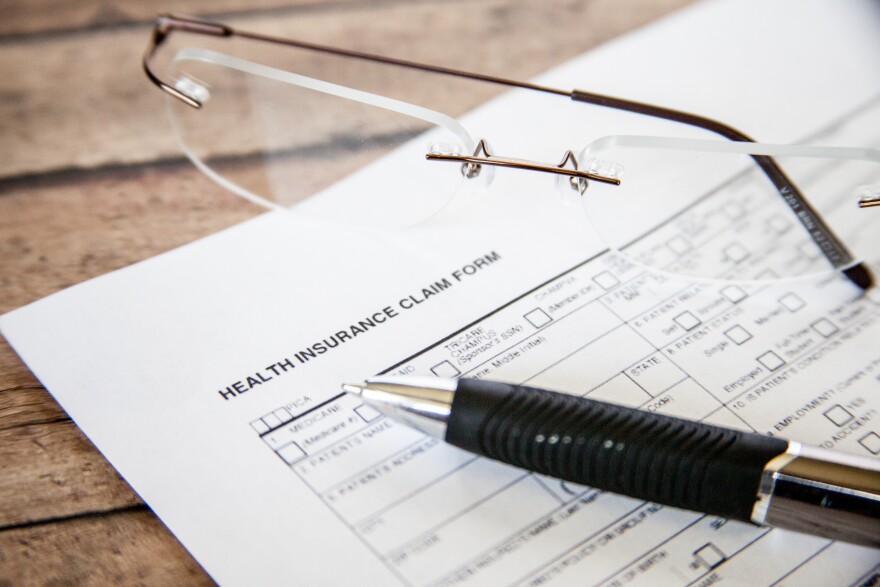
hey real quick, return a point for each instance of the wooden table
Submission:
(92, 180)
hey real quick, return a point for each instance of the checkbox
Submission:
(271, 420)
(680, 245)
(445, 369)
(771, 360)
(606, 280)
(259, 426)
(738, 334)
(367, 413)
(825, 327)
(709, 555)
(283, 415)
(734, 293)
(792, 302)
(779, 224)
(810, 250)
(687, 320)
(871, 441)
(734, 210)
(538, 318)
(838, 414)
(736, 252)
(291, 453)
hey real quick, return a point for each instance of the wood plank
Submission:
(12, 373)
(52, 471)
(27, 402)
(29, 17)
(125, 548)
(57, 232)
(67, 112)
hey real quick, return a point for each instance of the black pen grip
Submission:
(645, 455)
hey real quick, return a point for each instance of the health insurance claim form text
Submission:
(238, 438)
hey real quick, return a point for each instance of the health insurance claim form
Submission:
(199, 373)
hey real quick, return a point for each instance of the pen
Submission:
(738, 475)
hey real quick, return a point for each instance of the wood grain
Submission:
(110, 114)
(130, 547)
(91, 180)
(23, 18)
(59, 231)
(59, 474)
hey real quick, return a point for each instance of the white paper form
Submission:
(200, 374)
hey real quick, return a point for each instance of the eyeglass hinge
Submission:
(870, 200)
(168, 22)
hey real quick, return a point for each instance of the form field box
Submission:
(771, 360)
(367, 413)
(538, 318)
(709, 555)
(734, 210)
(871, 441)
(738, 334)
(736, 252)
(734, 293)
(779, 224)
(809, 250)
(792, 302)
(593, 364)
(445, 369)
(687, 320)
(679, 245)
(259, 426)
(655, 374)
(620, 390)
(825, 327)
(272, 420)
(606, 280)
(458, 488)
(838, 414)
(686, 399)
(291, 453)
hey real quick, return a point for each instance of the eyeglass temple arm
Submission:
(837, 254)
(831, 246)
(170, 22)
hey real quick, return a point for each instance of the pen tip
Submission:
(353, 388)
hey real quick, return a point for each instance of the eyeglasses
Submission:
(279, 135)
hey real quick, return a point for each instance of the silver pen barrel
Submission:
(822, 492)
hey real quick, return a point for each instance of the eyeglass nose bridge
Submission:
(568, 167)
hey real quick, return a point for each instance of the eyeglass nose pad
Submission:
(868, 195)
(569, 188)
(611, 169)
(477, 177)
(192, 88)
